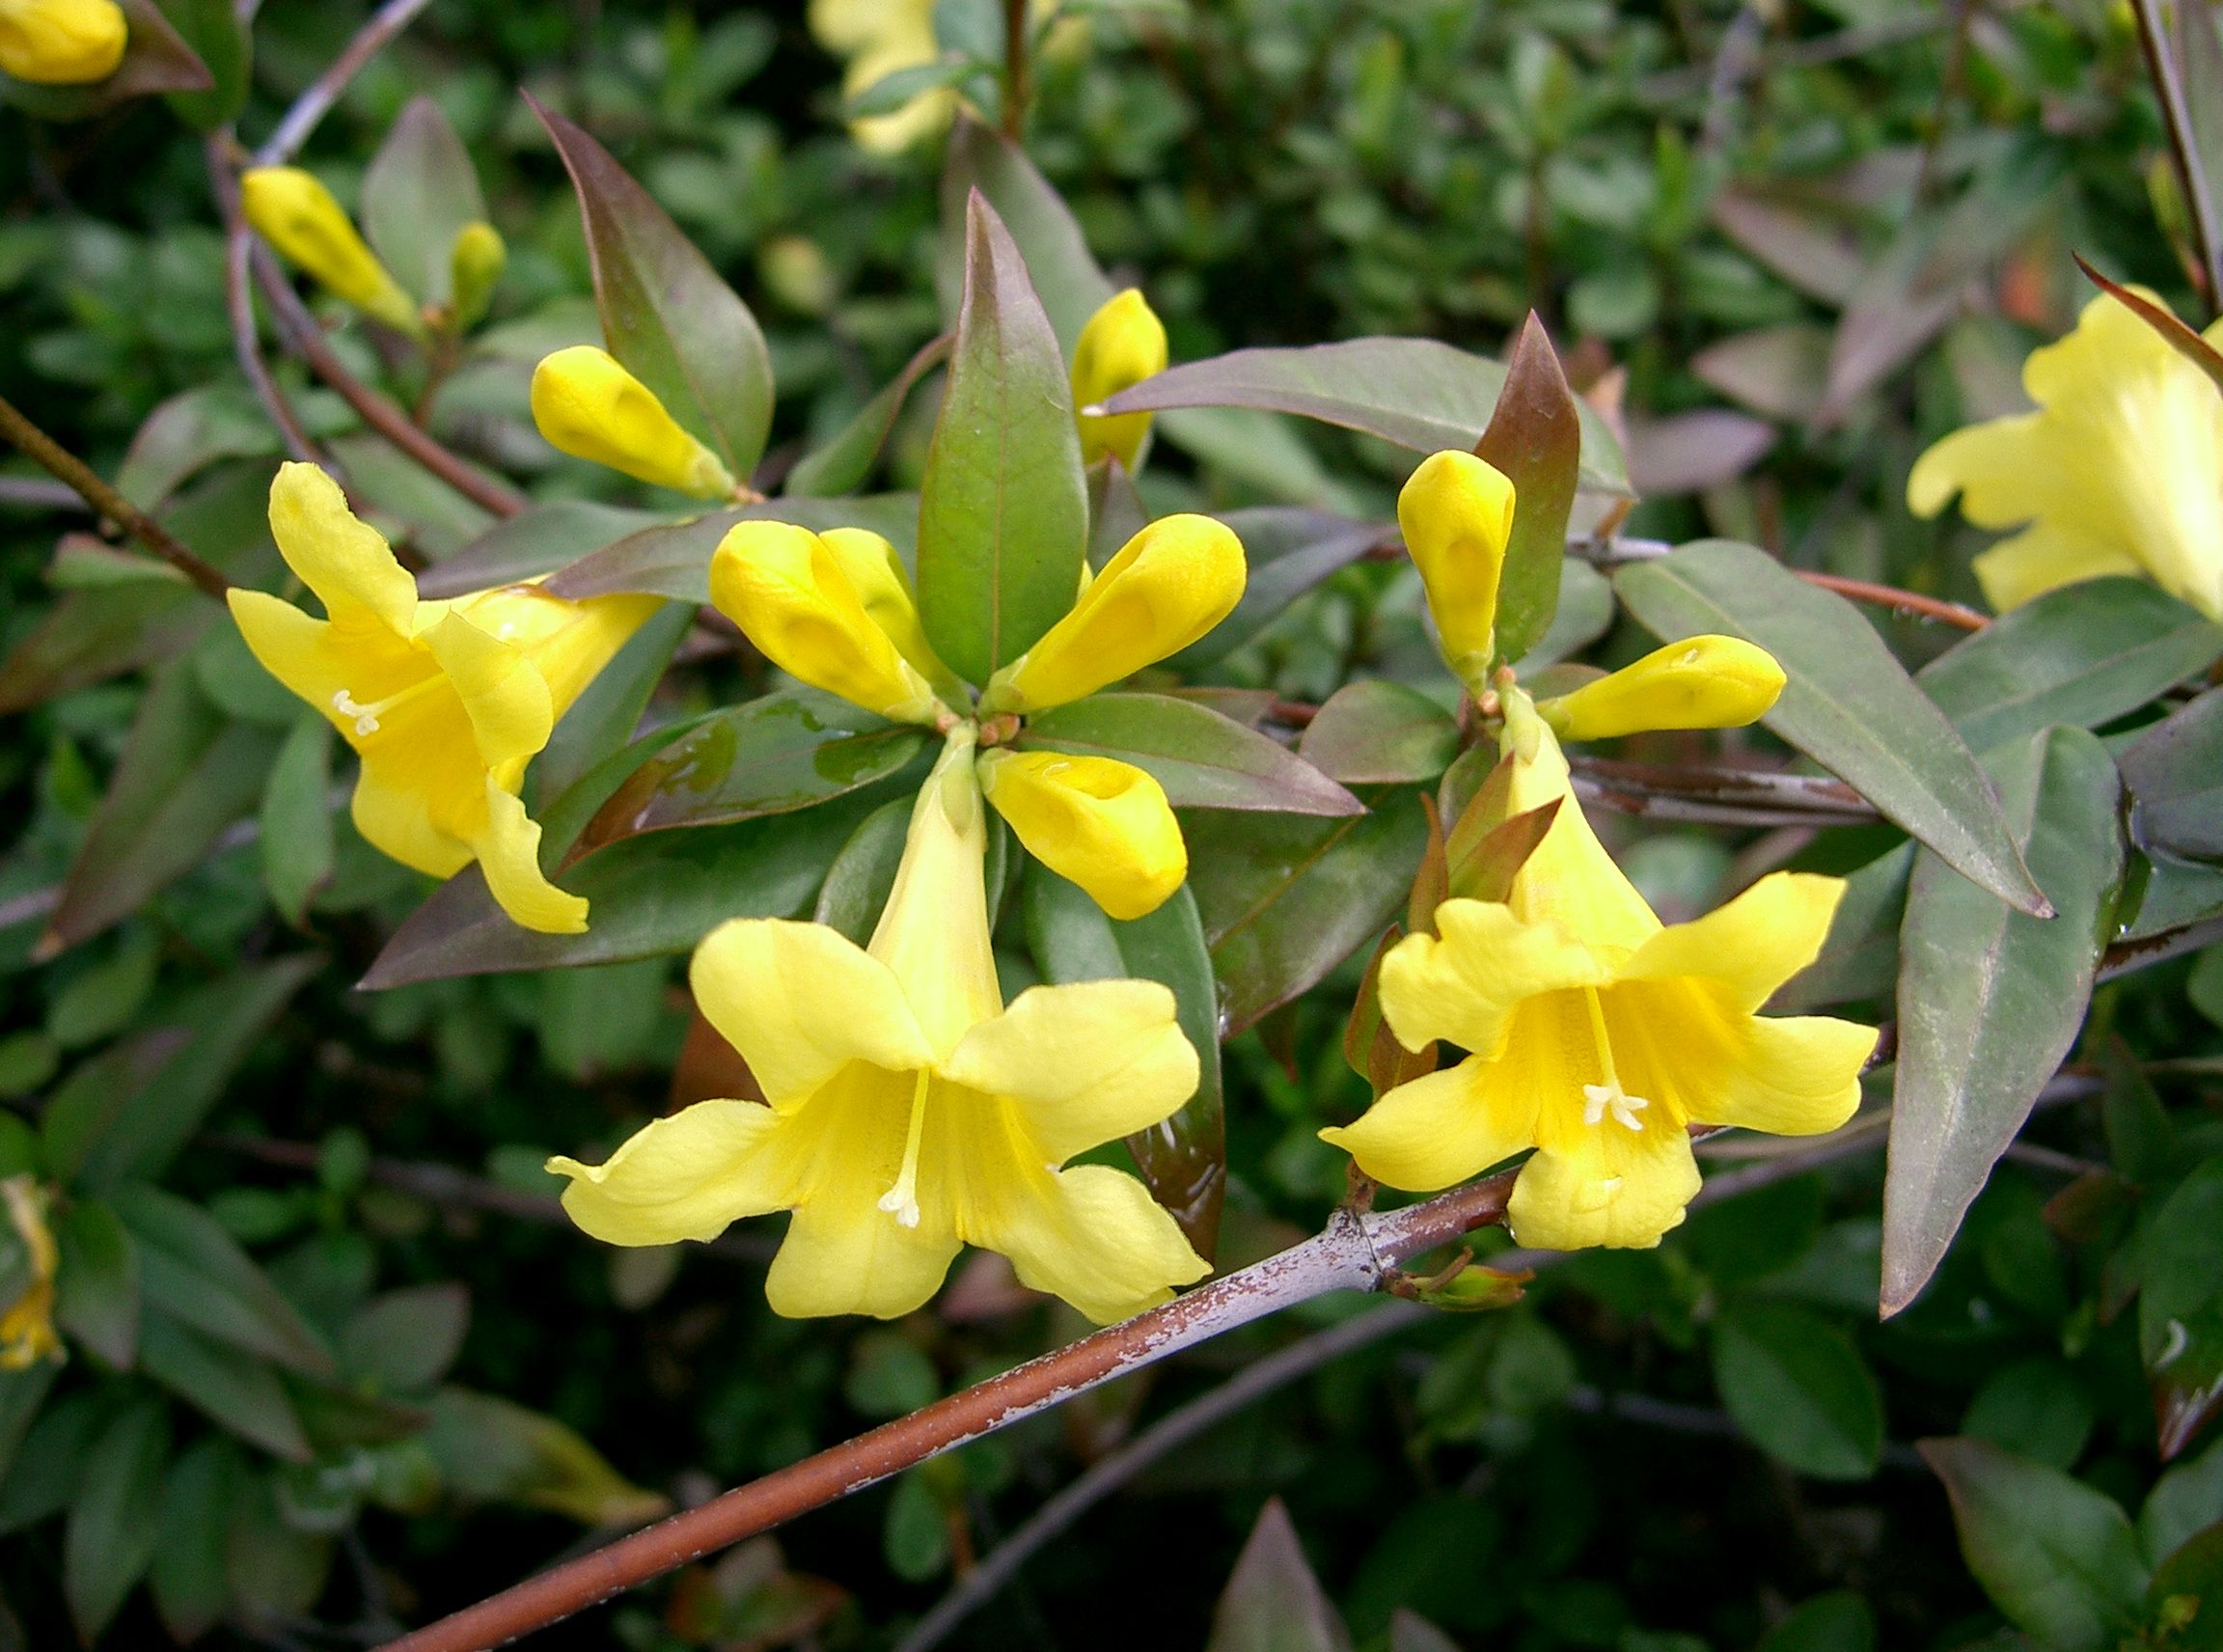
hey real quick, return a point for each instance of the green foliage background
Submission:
(1705, 1446)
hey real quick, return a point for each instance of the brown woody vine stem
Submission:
(65, 466)
(239, 304)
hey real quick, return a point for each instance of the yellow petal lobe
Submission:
(876, 573)
(1103, 824)
(1701, 682)
(1456, 514)
(294, 213)
(588, 405)
(1122, 345)
(1168, 586)
(61, 42)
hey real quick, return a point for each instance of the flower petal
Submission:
(1085, 1064)
(844, 1258)
(682, 1178)
(2044, 558)
(509, 852)
(342, 559)
(1751, 945)
(1095, 1237)
(800, 1002)
(1788, 1075)
(1464, 985)
(1102, 824)
(1603, 1184)
(1441, 1128)
(504, 696)
(394, 819)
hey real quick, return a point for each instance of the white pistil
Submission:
(1600, 1099)
(901, 1201)
(366, 716)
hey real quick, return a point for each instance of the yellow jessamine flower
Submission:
(2120, 470)
(910, 1112)
(444, 702)
(1701, 682)
(61, 42)
(588, 405)
(1596, 1036)
(1456, 514)
(1103, 824)
(294, 213)
(1123, 343)
(27, 1332)
(880, 38)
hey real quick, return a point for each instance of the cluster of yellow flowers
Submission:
(61, 42)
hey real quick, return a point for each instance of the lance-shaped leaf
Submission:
(229, 1386)
(110, 1536)
(97, 1284)
(1203, 760)
(2181, 1307)
(1274, 1603)
(602, 720)
(1065, 273)
(1535, 437)
(420, 191)
(674, 558)
(194, 1271)
(1373, 731)
(1285, 900)
(539, 540)
(1004, 508)
(191, 1590)
(787, 751)
(1287, 551)
(1848, 702)
(1796, 1387)
(1183, 1159)
(2082, 655)
(1416, 393)
(666, 315)
(1369, 1048)
(2176, 334)
(1860, 957)
(847, 459)
(2055, 1555)
(219, 36)
(1990, 999)
(2175, 773)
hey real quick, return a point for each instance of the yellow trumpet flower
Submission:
(1596, 1036)
(27, 1334)
(1123, 343)
(1701, 682)
(1456, 514)
(61, 42)
(294, 213)
(829, 609)
(2120, 470)
(910, 1113)
(444, 702)
(1101, 823)
(588, 405)
(1169, 583)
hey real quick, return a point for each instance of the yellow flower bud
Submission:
(883, 585)
(1456, 513)
(1103, 824)
(294, 213)
(592, 408)
(788, 591)
(1123, 343)
(1701, 682)
(1168, 585)
(61, 42)
(475, 263)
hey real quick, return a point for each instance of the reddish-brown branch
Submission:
(1891, 597)
(1353, 1253)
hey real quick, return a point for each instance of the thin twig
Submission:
(1613, 552)
(294, 126)
(1017, 89)
(69, 468)
(306, 338)
(239, 303)
(1735, 797)
(2184, 143)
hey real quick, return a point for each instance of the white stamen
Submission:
(365, 717)
(1597, 1100)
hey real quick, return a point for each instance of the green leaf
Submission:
(2181, 1305)
(1004, 509)
(602, 720)
(113, 1516)
(1274, 1603)
(419, 193)
(915, 1531)
(1990, 999)
(1535, 437)
(1796, 1387)
(296, 819)
(893, 91)
(1183, 1160)
(858, 882)
(2174, 774)
(212, 31)
(193, 1270)
(1416, 393)
(2184, 1602)
(187, 432)
(1072, 285)
(1287, 551)
(89, 636)
(674, 560)
(276, 1572)
(489, 1449)
(2186, 1501)
(2081, 655)
(2036, 1408)
(1285, 899)
(1860, 956)
(48, 1466)
(404, 1340)
(191, 1589)
(787, 751)
(846, 459)
(1839, 1621)
(1410, 1634)
(230, 1386)
(657, 892)
(1203, 760)
(539, 540)
(97, 1282)
(1585, 612)
(666, 315)
(2055, 1555)
(1379, 733)
(21, 1394)
(186, 772)
(1849, 705)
